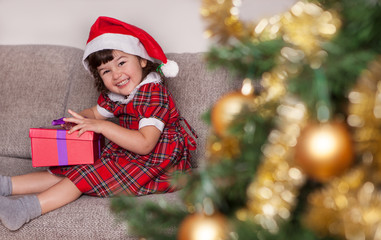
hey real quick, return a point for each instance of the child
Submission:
(147, 146)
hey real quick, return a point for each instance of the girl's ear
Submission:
(143, 62)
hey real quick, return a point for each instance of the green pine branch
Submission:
(246, 59)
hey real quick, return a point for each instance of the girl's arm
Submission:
(90, 113)
(140, 141)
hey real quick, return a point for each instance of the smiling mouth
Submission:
(122, 83)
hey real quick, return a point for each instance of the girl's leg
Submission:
(59, 195)
(35, 182)
(14, 213)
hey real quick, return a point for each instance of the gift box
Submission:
(55, 147)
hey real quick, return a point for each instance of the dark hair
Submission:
(98, 58)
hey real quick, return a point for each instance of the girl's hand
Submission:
(82, 124)
(67, 125)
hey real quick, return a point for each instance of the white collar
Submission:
(152, 77)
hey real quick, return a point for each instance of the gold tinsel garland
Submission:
(350, 206)
(365, 112)
(223, 19)
(276, 184)
(305, 26)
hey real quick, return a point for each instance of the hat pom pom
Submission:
(170, 69)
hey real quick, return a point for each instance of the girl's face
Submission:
(122, 74)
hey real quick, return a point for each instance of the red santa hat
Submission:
(110, 33)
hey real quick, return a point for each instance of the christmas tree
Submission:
(299, 156)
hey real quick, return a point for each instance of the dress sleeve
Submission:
(151, 105)
(105, 106)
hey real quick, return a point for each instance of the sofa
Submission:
(40, 82)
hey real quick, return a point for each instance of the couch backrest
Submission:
(40, 82)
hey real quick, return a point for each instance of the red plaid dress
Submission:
(119, 171)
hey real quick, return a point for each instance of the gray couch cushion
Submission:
(195, 90)
(34, 89)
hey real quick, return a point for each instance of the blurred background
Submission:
(176, 25)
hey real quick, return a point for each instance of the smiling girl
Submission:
(145, 148)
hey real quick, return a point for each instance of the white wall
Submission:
(175, 24)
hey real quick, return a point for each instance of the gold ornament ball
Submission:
(324, 150)
(200, 226)
(227, 108)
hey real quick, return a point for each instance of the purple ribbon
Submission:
(58, 122)
(62, 148)
(99, 147)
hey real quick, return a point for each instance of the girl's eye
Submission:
(105, 72)
(122, 63)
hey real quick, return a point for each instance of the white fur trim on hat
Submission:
(126, 43)
(170, 69)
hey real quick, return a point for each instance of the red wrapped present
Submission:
(55, 147)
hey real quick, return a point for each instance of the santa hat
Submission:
(110, 33)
